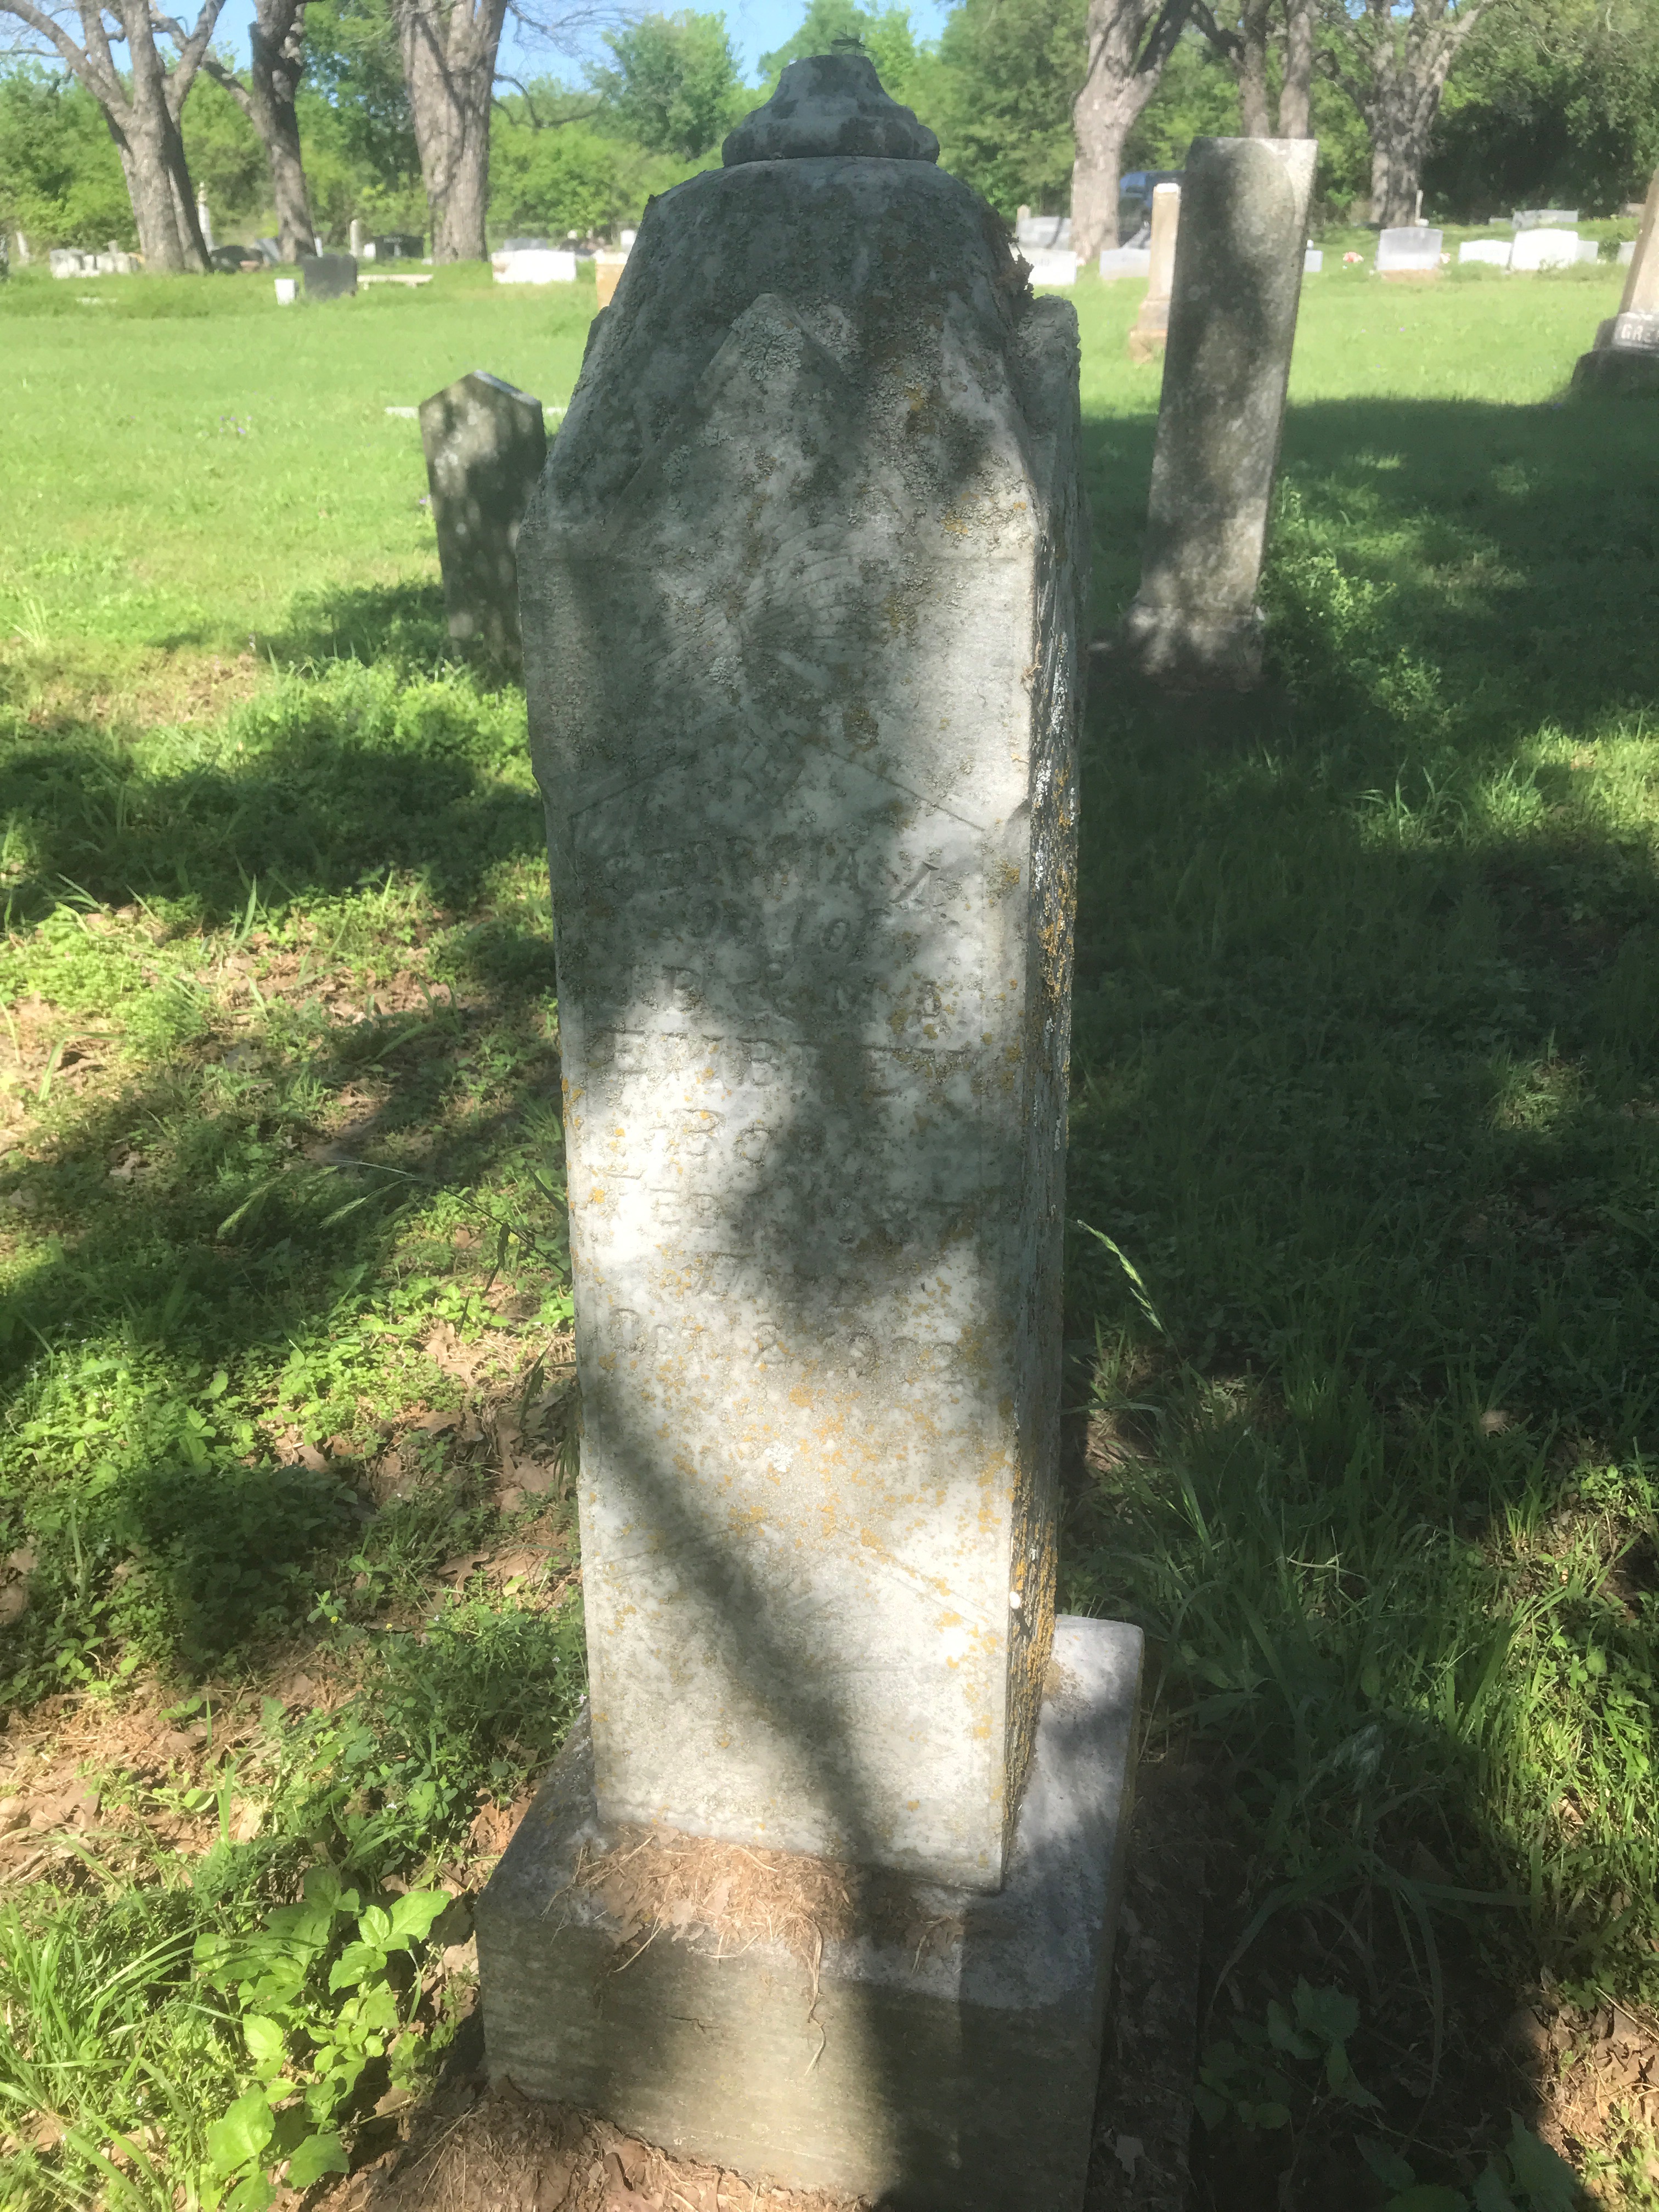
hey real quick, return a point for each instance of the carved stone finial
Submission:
(829, 104)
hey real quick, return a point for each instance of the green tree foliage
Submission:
(352, 71)
(675, 88)
(1011, 70)
(903, 62)
(60, 176)
(225, 156)
(1196, 97)
(1558, 105)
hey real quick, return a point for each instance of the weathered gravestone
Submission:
(485, 444)
(1151, 326)
(1232, 322)
(1411, 251)
(1493, 251)
(1626, 356)
(801, 592)
(329, 276)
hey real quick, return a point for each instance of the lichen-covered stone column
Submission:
(801, 590)
(1232, 322)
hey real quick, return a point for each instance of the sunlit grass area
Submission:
(1365, 1096)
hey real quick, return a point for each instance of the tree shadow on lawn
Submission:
(330, 801)
(1366, 1086)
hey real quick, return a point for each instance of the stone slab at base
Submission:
(940, 2050)
(1617, 372)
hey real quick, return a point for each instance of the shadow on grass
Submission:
(1366, 1086)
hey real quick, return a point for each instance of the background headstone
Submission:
(1051, 264)
(607, 275)
(1626, 253)
(1411, 250)
(1543, 218)
(485, 446)
(329, 276)
(356, 238)
(1588, 249)
(1152, 323)
(1494, 252)
(1117, 261)
(1232, 324)
(534, 265)
(1540, 248)
(1313, 261)
(1046, 232)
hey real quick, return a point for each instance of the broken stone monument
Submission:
(485, 444)
(824, 1889)
(1194, 622)
(1625, 358)
(1151, 326)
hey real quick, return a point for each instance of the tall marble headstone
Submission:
(801, 590)
(1152, 326)
(1626, 356)
(1232, 322)
(485, 444)
(802, 587)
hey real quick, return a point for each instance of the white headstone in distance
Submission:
(1041, 231)
(1626, 253)
(1414, 250)
(1492, 253)
(535, 265)
(1536, 249)
(1126, 261)
(1543, 218)
(1313, 260)
(1589, 249)
(1050, 264)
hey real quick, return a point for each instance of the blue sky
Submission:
(757, 28)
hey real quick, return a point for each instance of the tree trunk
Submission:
(1296, 96)
(1250, 68)
(141, 112)
(1121, 76)
(277, 39)
(1401, 73)
(448, 49)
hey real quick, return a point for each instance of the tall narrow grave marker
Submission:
(1232, 322)
(801, 591)
(1146, 339)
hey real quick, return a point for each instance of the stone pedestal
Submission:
(924, 2045)
(801, 590)
(1232, 322)
(1625, 359)
(1152, 328)
(485, 446)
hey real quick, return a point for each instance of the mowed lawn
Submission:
(1363, 1312)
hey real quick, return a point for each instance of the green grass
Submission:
(1366, 1089)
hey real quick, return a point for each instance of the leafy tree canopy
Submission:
(675, 88)
(60, 176)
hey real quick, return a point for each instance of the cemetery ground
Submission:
(1364, 1335)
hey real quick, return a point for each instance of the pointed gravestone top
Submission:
(826, 106)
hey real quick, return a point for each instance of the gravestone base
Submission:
(935, 2048)
(1617, 372)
